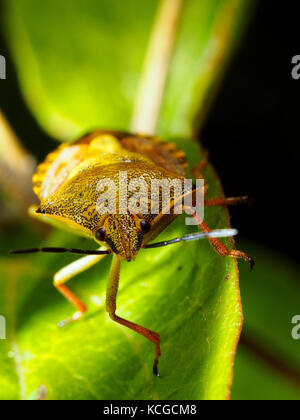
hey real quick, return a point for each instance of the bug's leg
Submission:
(221, 201)
(197, 170)
(111, 297)
(65, 274)
(73, 299)
(218, 246)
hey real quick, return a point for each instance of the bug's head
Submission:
(124, 233)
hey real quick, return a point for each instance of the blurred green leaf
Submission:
(79, 63)
(185, 292)
(271, 297)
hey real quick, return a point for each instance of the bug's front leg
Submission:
(218, 246)
(65, 274)
(73, 299)
(111, 297)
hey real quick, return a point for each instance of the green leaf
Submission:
(79, 66)
(185, 292)
(268, 360)
(79, 63)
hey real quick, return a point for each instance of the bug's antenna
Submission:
(218, 233)
(61, 250)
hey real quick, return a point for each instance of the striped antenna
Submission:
(218, 233)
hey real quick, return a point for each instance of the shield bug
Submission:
(81, 189)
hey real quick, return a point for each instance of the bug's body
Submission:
(67, 184)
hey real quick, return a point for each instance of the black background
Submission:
(252, 131)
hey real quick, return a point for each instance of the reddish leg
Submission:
(111, 297)
(221, 201)
(73, 299)
(197, 171)
(65, 274)
(218, 246)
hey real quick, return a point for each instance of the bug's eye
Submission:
(100, 234)
(146, 226)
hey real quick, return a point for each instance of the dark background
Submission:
(252, 130)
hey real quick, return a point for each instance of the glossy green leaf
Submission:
(79, 65)
(185, 292)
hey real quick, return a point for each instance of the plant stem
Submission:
(156, 67)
